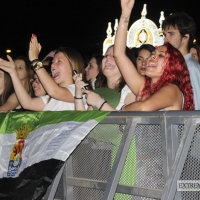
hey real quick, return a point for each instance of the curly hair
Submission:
(175, 72)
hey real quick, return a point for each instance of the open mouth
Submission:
(151, 64)
(108, 65)
(55, 75)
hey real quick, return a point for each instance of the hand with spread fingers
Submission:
(8, 66)
(34, 48)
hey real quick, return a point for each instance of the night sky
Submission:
(80, 24)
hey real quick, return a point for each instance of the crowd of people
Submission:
(145, 79)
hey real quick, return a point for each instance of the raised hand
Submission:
(34, 48)
(8, 66)
(79, 84)
(127, 6)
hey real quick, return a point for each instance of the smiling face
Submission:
(155, 64)
(21, 69)
(109, 66)
(61, 70)
(141, 61)
(37, 87)
(91, 70)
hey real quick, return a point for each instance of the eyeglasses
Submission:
(32, 80)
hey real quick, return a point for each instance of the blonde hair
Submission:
(74, 57)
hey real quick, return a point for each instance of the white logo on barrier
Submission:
(188, 185)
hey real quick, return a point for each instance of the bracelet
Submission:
(77, 97)
(122, 108)
(124, 16)
(102, 105)
(38, 65)
(38, 68)
(33, 61)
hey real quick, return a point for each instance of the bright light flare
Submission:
(8, 51)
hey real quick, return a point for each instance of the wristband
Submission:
(122, 108)
(35, 60)
(77, 97)
(102, 105)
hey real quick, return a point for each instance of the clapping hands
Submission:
(34, 48)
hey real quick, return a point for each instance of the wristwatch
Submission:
(37, 66)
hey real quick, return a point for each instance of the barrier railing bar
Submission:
(125, 189)
(67, 190)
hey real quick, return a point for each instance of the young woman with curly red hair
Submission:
(167, 83)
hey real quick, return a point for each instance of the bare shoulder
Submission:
(174, 97)
(171, 89)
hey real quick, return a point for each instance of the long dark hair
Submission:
(98, 58)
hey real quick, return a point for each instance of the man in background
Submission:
(180, 30)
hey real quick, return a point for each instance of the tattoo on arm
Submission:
(125, 19)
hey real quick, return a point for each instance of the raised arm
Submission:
(51, 87)
(133, 79)
(79, 84)
(25, 100)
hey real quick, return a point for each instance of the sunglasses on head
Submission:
(32, 80)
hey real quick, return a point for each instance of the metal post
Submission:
(51, 191)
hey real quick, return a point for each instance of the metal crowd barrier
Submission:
(132, 156)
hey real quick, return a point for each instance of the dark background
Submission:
(81, 24)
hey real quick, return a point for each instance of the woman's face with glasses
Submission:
(37, 87)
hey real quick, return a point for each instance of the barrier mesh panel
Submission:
(94, 157)
(149, 171)
(191, 170)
